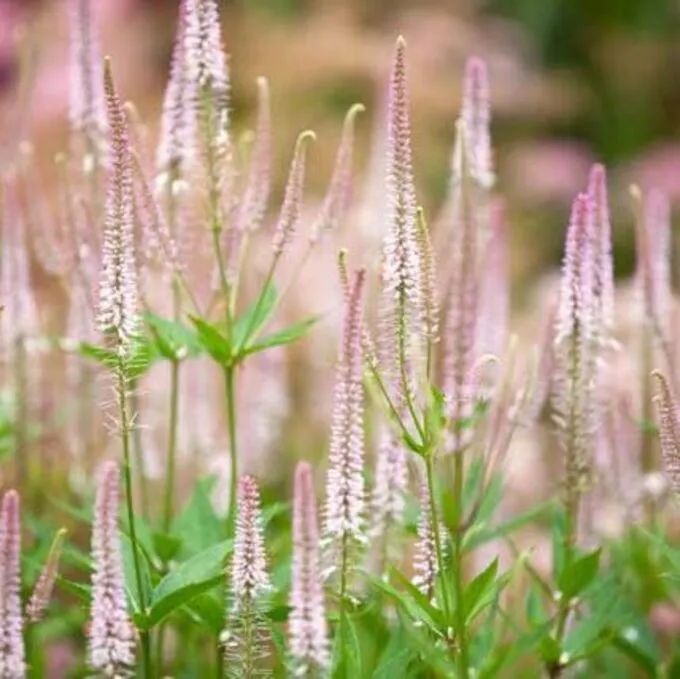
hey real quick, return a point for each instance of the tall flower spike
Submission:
(428, 282)
(459, 334)
(118, 312)
(289, 216)
(344, 511)
(256, 194)
(177, 143)
(12, 655)
(603, 280)
(575, 367)
(111, 648)
(42, 592)
(243, 638)
(425, 567)
(491, 331)
(475, 114)
(669, 431)
(307, 621)
(206, 61)
(87, 110)
(337, 199)
(401, 304)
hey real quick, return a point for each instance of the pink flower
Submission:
(307, 622)
(425, 567)
(669, 431)
(42, 591)
(476, 115)
(111, 648)
(12, 657)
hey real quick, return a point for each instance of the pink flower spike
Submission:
(337, 199)
(256, 194)
(42, 592)
(669, 431)
(87, 110)
(491, 331)
(602, 243)
(111, 648)
(475, 113)
(118, 311)
(401, 305)
(12, 654)
(177, 143)
(249, 577)
(425, 567)
(307, 621)
(344, 510)
(289, 216)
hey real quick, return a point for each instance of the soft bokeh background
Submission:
(572, 80)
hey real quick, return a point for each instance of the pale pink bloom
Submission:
(177, 143)
(475, 113)
(42, 591)
(429, 312)
(307, 624)
(12, 654)
(491, 331)
(344, 510)
(401, 306)
(575, 374)
(388, 498)
(118, 311)
(87, 109)
(249, 578)
(205, 58)
(669, 431)
(253, 205)
(602, 243)
(425, 566)
(289, 216)
(111, 647)
(337, 199)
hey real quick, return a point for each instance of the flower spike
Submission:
(118, 312)
(475, 114)
(12, 654)
(42, 592)
(669, 430)
(111, 648)
(336, 201)
(289, 216)
(344, 510)
(307, 622)
(425, 566)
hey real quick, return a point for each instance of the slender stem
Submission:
(231, 423)
(439, 548)
(459, 622)
(168, 505)
(21, 456)
(127, 475)
(138, 449)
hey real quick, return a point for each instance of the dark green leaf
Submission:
(174, 340)
(481, 591)
(166, 546)
(578, 574)
(286, 336)
(255, 316)
(212, 340)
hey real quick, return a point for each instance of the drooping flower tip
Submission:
(289, 215)
(111, 648)
(12, 654)
(42, 592)
(475, 113)
(307, 622)
(338, 196)
(256, 193)
(249, 578)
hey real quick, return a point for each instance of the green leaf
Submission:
(173, 339)
(347, 657)
(480, 592)
(166, 546)
(282, 337)
(578, 574)
(191, 578)
(197, 526)
(131, 585)
(396, 657)
(212, 340)
(208, 610)
(254, 318)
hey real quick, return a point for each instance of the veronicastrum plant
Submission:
(409, 564)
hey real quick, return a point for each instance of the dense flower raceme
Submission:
(669, 431)
(12, 655)
(111, 650)
(307, 622)
(118, 313)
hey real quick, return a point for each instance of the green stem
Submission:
(233, 451)
(168, 504)
(127, 475)
(138, 449)
(438, 547)
(459, 622)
